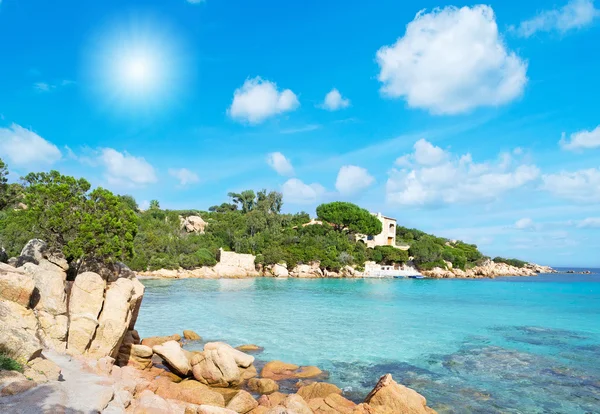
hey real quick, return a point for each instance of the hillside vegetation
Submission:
(88, 223)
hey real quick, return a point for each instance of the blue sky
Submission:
(474, 122)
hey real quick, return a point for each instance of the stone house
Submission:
(387, 237)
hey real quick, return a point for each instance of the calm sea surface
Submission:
(509, 345)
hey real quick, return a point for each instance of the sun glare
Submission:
(137, 64)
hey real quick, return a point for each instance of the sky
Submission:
(470, 121)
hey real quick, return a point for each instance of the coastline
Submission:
(489, 269)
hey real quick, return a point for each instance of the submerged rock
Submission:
(278, 370)
(191, 335)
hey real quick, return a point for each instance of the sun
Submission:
(137, 63)
(140, 73)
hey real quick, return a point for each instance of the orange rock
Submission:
(389, 397)
(242, 402)
(332, 404)
(363, 409)
(259, 410)
(272, 400)
(191, 335)
(277, 370)
(318, 390)
(17, 387)
(263, 385)
(227, 393)
(249, 348)
(159, 340)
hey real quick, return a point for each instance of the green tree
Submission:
(9, 193)
(107, 229)
(270, 202)
(154, 205)
(55, 206)
(223, 208)
(83, 225)
(347, 216)
(3, 184)
(245, 199)
(129, 201)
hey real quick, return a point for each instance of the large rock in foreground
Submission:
(389, 397)
(87, 296)
(114, 319)
(221, 365)
(18, 327)
(15, 285)
(174, 357)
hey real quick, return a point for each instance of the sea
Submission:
(504, 345)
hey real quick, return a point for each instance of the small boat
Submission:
(399, 277)
(417, 277)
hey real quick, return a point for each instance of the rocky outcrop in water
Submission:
(489, 269)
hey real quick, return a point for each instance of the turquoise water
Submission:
(510, 345)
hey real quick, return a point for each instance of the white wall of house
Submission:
(387, 237)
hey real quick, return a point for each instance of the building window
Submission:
(370, 237)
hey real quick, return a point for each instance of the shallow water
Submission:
(510, 345)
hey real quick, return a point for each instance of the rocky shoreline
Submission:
(81, 353)
(489, 269)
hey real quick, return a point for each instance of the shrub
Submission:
(512, 262)
(431, 265)
(9, 364)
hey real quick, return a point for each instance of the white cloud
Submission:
(334, 101)
(581, 140)
(184, 176)
(49, 87)
(23, 147)
(581, 186)
(435, 178)
(425, 154)
(351, 179)
(451, 61)
(576, 14)
(259, 99)
(280, 163)
(589, 223)
(525, 224)
(125, 169)
(306, 128)
(43, 87)
(297, 192)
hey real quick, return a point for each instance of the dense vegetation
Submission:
(512, 262)
(251, 223)
(61, 210)
(430, 251)
(88, 223)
